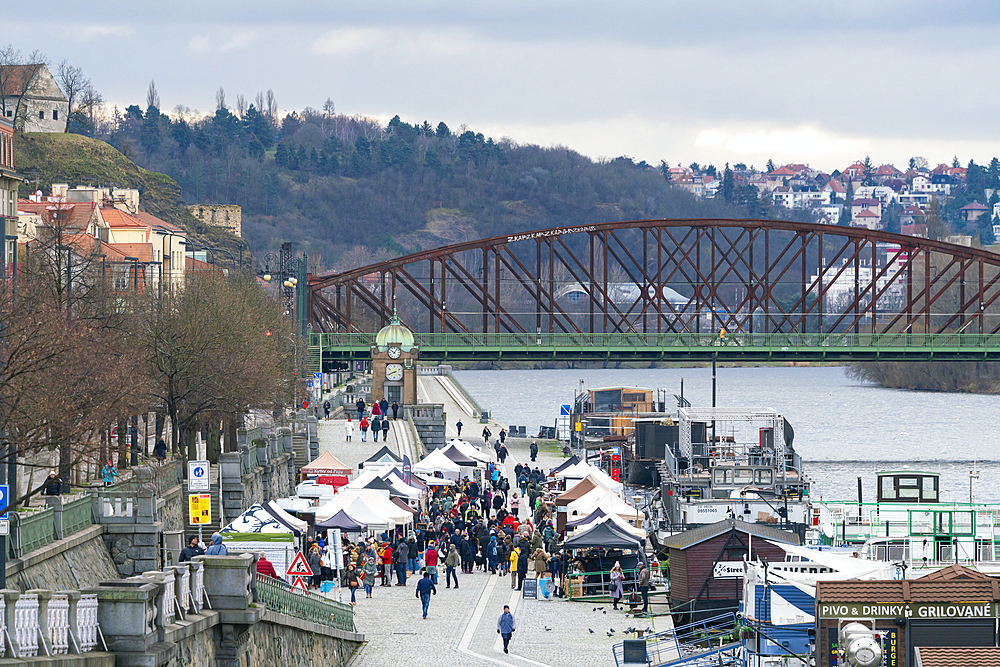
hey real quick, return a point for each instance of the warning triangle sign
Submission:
(299, 567)
(298, 583)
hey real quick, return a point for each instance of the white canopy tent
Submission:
(469, 450)
(377, 501)
(385, 473)
(436, 461)
(362, 513)
(606, 499)
(278, 511)
(580, 471)
(618, 521)
(260, 528)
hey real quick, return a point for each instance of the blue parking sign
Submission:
(4, 489)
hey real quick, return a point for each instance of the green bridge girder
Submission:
(671, 347)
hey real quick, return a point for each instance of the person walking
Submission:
(385, 429)
(370, 570)
(160, 450)
(109, 473)
(617, 589)
(364, 428)
(376, 410)
(534, 450)
(375, 424)
(315, 562)
(326, 409)
(425, 587)
(458, 425)
(349, 429)
(502, 435)
(541, 563)
(450, 563)
(487, 433)
(431, 562)
(503, 453)
(387, 565)
(265, 567)
(352, 580)
(643, 584)
(400, 556)
(360, 405)
(384, 407)
(191, 550)
(515, 554)
(515, 505)
(492, 552)
(522, 564)
(395, 410)
(506, 625)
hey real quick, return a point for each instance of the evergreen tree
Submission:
(869, 172)
(442, 131)
(281, 155)
(728, 185)
(770, 166)
(665, 170)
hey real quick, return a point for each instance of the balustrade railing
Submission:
(35, 529)
(26, 628)
(86, 622)
(58, 617)
(76, 513)
(286, 599)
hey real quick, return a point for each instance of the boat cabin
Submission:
(908, 486)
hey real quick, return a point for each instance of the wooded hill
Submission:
(350, 191)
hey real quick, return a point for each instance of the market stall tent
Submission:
(571, 461)
(582, 470)
(599, 515)
(344, 522)
(382, 457)
(436, 461)
(459, 457)
(361, 512)
(376, 501)
(260, 529)
(603, 533)
(326, 464)
(604, 499)
(470, 450)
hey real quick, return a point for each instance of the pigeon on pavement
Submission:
(590, 631)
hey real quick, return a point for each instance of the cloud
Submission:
(202, 45)
(95, 31)
(417, 43)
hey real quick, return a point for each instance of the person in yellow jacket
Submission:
(514, 553)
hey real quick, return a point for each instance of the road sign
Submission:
(298, 583)
(564, 409)
(4, 528)
(198, 478)
(200, 508)
(4, 489)
(299, 567)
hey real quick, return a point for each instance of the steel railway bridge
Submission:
(672, 290)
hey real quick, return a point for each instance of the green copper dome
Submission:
(394, 334)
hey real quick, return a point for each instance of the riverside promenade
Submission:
(460, 629)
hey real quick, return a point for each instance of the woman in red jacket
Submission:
(387, 565)
(431, 561)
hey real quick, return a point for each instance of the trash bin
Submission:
(484, 417)
(544, 584)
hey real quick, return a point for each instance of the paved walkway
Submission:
(460, 629)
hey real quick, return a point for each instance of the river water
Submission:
(843, 428)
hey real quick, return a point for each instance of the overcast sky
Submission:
(822, 83)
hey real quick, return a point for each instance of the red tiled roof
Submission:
(869, 201)
(152, 221)
(192, 264)
(75, 214)
(866, 214)
(958, 656)
(952, 583)
(17, 77)
(974, 206)
(783, 171)
(144, 251)
(119, 219)
(912, 209)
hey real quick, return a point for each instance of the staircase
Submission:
(314, 360)
(706, 643)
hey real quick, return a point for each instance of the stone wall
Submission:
(75, 562)
(171, 509)
(285, 640)
(268, 481)
(220, 215)
(429, 420)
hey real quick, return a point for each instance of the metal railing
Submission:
(286, 599)
(76, 513)
(688, 643)
(673, 340)
(35, 529)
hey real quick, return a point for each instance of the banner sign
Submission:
(918, 610)
(406, 469)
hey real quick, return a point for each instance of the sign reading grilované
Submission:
(909, 610)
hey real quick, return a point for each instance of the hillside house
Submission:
(868, 219)
(31, 99)
(911, 215)
(972, 212)
(866, 204)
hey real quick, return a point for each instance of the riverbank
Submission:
(622, 365)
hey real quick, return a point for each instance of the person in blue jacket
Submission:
(506, 625)
(424, 589)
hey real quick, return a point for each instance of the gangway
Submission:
(711, 641)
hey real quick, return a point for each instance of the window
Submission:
(764, 477)
(41, 115)
(55, 114)
(10, 113)
(744, 476)
(929, 490)
(907, 487)
(888, 491)
(722, 476)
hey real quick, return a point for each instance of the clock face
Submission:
(394, 372)
(394, 352)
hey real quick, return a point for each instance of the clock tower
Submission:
(394, 369)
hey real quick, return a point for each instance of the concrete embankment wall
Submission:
(75, 562)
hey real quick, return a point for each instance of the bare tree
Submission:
(272, 106)
(220, 99)
(259, 102)
(14, 81)
(241, 106)
(152, 97)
